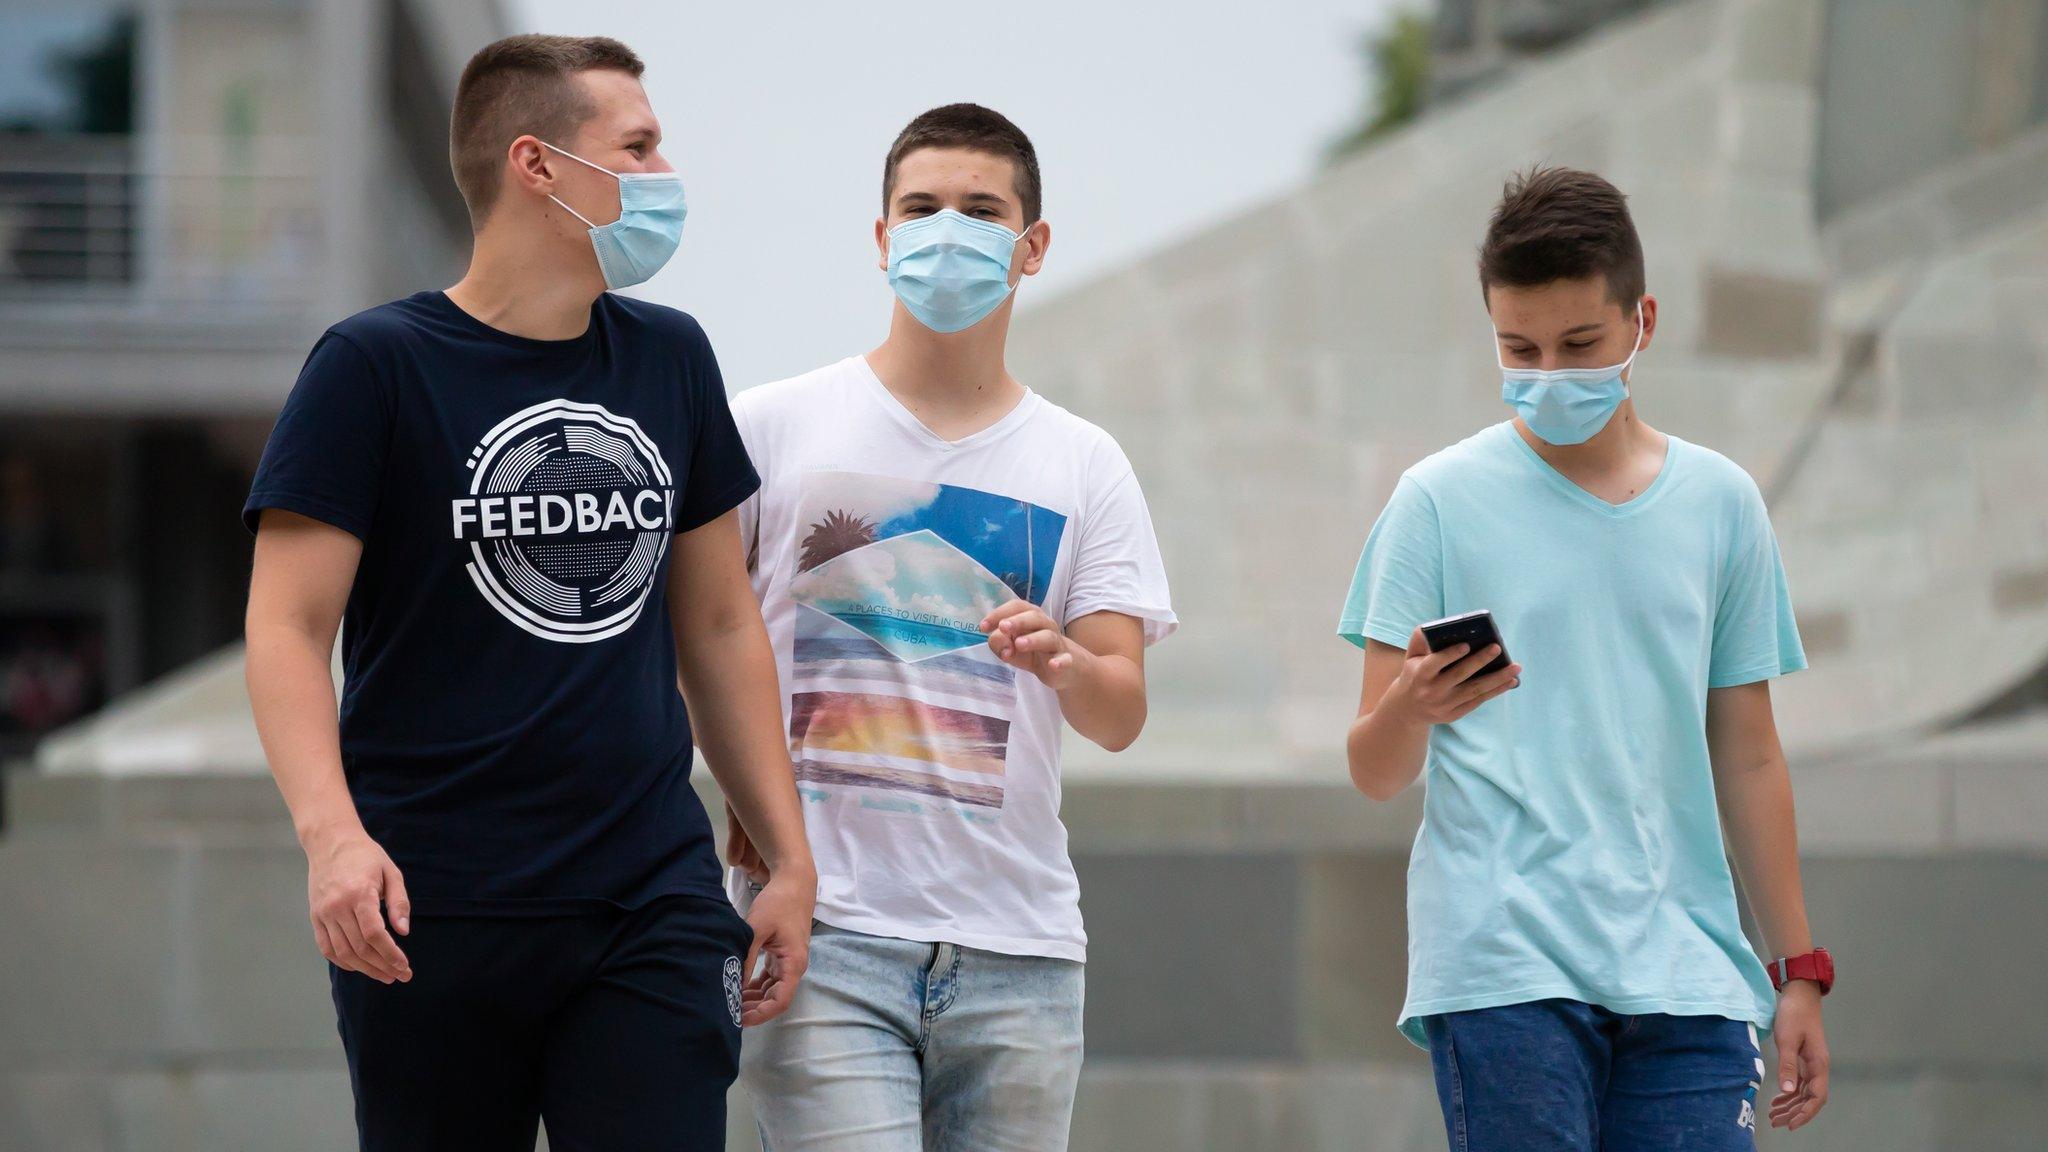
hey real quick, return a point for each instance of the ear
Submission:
(1037, 241)
(530, 165)
(1649, 322)
(882, 243)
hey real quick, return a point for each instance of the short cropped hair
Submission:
(973, 127)
(1562, 224)
(516, 86)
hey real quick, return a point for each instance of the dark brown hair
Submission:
(974, 127)
(516, 86)
(1562, 224)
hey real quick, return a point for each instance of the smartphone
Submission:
(1474, 628)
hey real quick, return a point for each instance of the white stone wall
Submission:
(1917, 528)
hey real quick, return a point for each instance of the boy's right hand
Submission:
(350, 884)
(1439, 687)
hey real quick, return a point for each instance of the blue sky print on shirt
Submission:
(914, 594)
(892, 686)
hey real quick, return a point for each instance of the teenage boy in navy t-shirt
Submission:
(518, 496)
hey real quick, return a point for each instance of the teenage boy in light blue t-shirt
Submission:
(1577, 968)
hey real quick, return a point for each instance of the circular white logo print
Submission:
(732, 987)
(567, 520)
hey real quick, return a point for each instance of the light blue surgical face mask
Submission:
(951, 270)
(1567, 405)
(631, 249)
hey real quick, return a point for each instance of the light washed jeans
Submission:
(896, 1046)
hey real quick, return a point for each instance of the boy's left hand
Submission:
(781, 917)
(1802, 1056)
(1023, 636)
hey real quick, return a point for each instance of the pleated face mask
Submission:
(631, 249)
(951, 270)
(1566, 405)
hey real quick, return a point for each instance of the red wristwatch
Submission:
(1816, 966)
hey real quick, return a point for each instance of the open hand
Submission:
(781, 919)
(348, 877)
(1802, 1056)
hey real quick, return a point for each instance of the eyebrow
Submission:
(1567, 332)
(908, 198)
(636, 135)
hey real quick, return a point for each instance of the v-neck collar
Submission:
(1571, 489)
(918, 430)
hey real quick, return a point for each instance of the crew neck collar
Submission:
(1007, 423)
(1571, 489)
(442, 302)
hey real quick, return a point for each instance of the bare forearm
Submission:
(1106, 700)
(291, 691)
(728, 679)
(1403, 696)
(1385, 753)
(1763, 837)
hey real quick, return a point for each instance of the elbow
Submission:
(1123, 733)
(1117, 741)
(1374, 785)
(1120, 738)
(1368, 774)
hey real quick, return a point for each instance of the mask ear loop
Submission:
(586, 164)
(1630, 362)
(573, 212)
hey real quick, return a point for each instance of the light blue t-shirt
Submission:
(1570, 845)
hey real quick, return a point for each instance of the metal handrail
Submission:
(210, 225)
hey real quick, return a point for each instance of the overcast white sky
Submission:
(1151, 118)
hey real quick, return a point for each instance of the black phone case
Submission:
(1478, 631)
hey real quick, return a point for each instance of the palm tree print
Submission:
(837, 533)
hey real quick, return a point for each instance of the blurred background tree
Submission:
(1396, 58)
(101, 74)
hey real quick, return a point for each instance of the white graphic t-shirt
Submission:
(929, 769)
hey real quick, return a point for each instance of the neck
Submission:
(1609, 448)
(521, 285)
(951, 373)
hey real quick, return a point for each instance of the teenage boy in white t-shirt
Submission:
(950, 566)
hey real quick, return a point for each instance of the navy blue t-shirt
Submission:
(510, 725)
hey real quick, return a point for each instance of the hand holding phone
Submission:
(1453, 666)
(1476, 630)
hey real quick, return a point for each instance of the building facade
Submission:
(190, 190)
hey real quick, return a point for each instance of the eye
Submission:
(1580, 345)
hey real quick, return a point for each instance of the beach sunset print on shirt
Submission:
(893, 686)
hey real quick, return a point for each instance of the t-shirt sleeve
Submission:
(750, 508)
(1755, 635)
(721, 474)
(325, 457)
(1117, 566)
(1399, 582)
